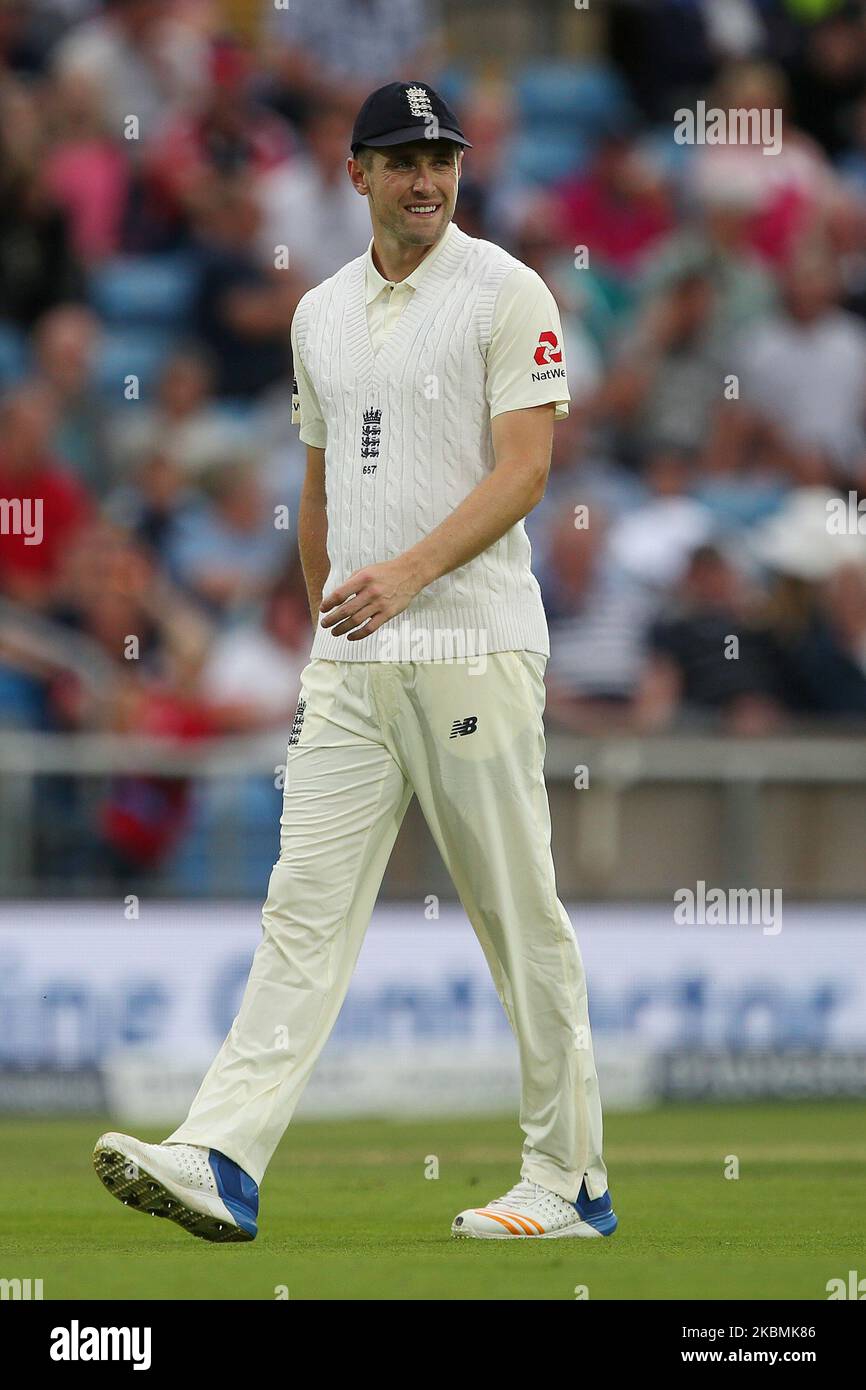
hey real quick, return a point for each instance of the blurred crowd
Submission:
(172, 181)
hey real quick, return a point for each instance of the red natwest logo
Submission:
(548, 350)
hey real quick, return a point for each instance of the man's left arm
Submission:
(526, 389)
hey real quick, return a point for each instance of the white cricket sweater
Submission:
(408, 437)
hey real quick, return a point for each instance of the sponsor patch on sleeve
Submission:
(548, 358)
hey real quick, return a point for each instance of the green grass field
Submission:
(347, 1213)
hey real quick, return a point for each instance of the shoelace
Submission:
(524, 1191)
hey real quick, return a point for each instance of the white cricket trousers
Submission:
(470, 745)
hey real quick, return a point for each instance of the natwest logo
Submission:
(548, 349)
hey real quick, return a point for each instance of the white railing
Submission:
(739, 770)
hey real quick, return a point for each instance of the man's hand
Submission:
(522, 441)
(371, 596)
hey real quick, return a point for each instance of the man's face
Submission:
(412, 189)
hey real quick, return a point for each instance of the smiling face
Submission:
(412, 189)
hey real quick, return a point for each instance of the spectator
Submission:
(819, 632)
(140, 59)
(65, 342)
(652, 543)
(845, 231)
(52, 503)
(489, 187)
(152, 504)
(667, 51)
(619, 209)
(37, 265)
(110, 591)
(802, 540)
(829, 78)
(228, 551)
(598, 619)
(224, 133)
(788, 188)
(665, 386)
(342, 50)
(243, 312)
(310, 207)
(142, 820)
(113, 597)
(709, 659)
(85, 171)
(184, 421)
(28, 31)
(252, 676)
(804, 372)
(718, 241)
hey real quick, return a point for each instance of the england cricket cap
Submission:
(405, 111)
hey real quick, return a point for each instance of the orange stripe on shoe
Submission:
(514, 1230)
(529, 1220)
(523, 1223)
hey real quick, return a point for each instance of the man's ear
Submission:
(358, 174)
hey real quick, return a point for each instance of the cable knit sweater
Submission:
(408, 438)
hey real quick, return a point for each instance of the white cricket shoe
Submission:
(531, 1210)
(201, 1189)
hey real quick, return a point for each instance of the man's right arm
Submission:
(312, 516)
(313, 530)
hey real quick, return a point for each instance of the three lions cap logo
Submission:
(419, 102)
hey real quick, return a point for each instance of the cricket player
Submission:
(429, 374)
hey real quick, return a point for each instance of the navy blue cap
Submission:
(402, 112)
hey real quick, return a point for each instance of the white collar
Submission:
(376, 283)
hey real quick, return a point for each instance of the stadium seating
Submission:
(145, 291)
(588, 95)
(563, 109)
